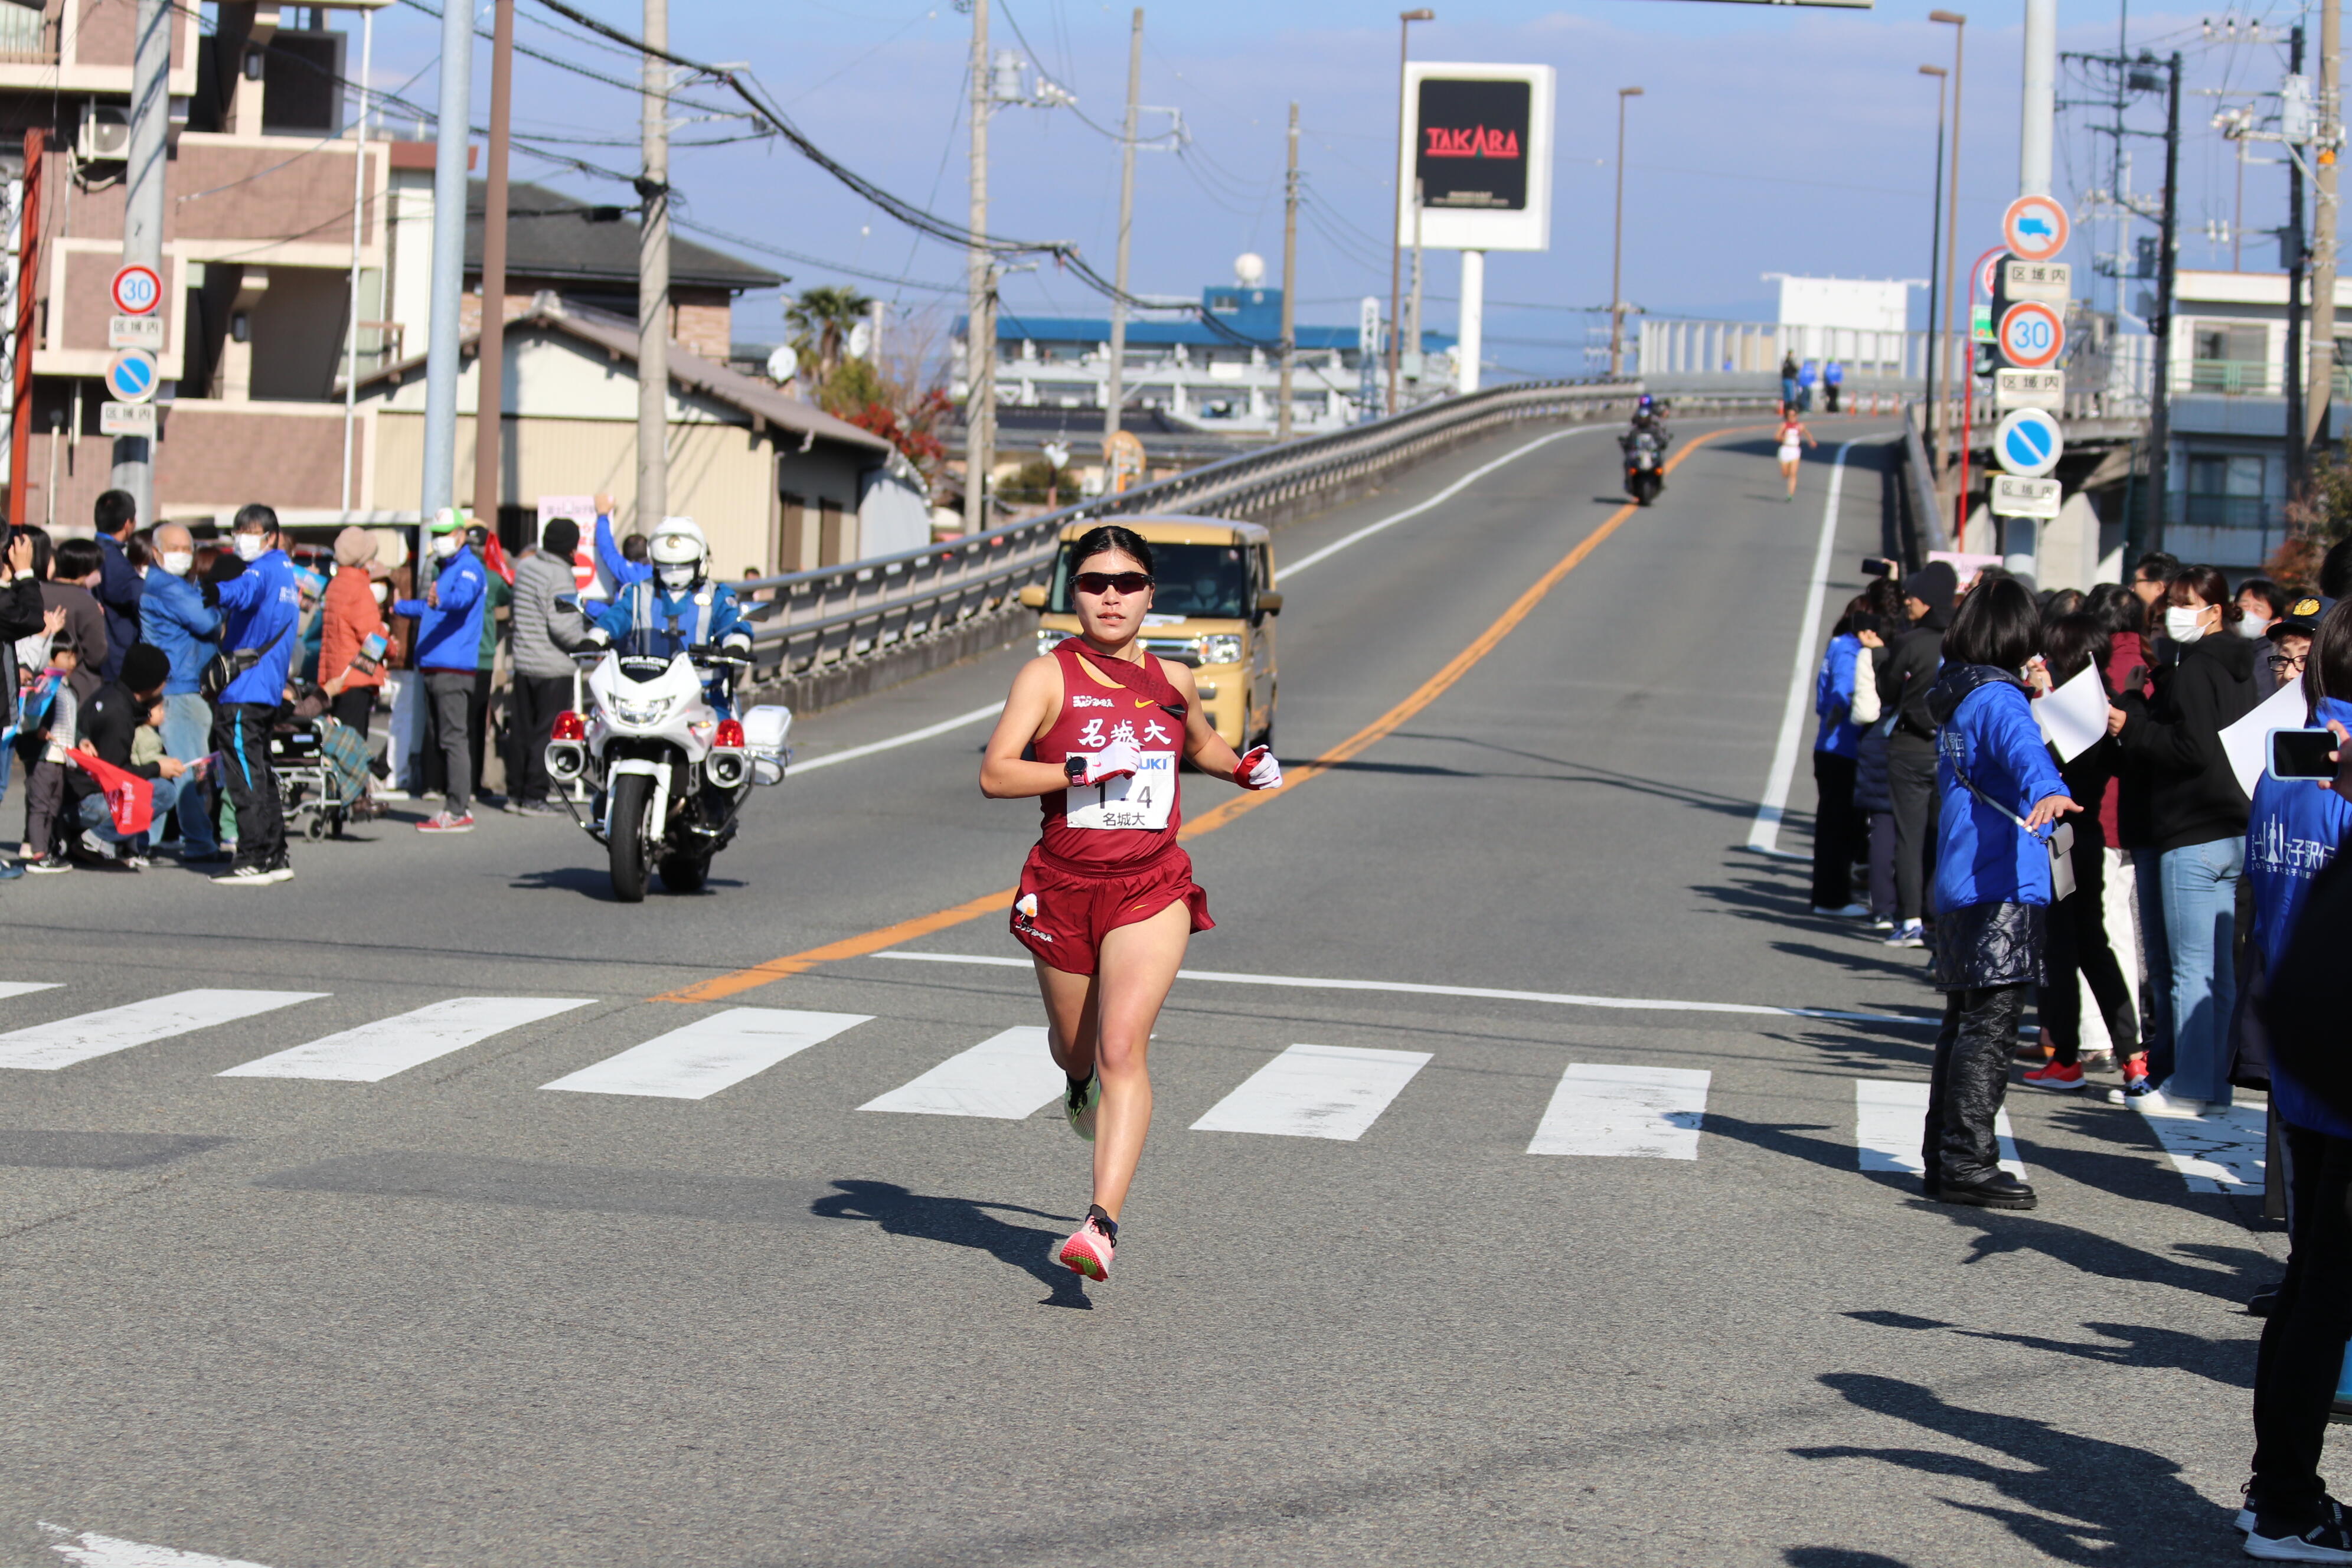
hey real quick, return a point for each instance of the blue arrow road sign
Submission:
(2028, 443)
(130, 376)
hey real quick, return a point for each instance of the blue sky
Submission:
(1769, 139)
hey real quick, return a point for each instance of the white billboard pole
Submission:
(1474, 320)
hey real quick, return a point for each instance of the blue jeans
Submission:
(2200, 918)
(96, 819)
(187, 735)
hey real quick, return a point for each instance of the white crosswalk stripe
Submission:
(2220, 1149)
(25, 987)
(1007, 1075)
(373, 1052)
(46, 1048)
(1315, 1091)
(1642, 1111)
(698, 1060)
(89, 1549)
(1890, 1117)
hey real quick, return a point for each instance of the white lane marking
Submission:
(908, 739)
(710, 1054)
(25, 987)
(45, 1048)
(1007, 1075)
(374, 1052)
(1448, 493)
(1650, 1113)
(91, 1550)
(1315, 1091)
(1890, 1122)
(1561, 999)
(1292, 570)
(1764, 837)
(2221, 1150)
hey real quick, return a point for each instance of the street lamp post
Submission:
(1405, 19)
(1935, 244)
(1959, 25)
(1617, 249)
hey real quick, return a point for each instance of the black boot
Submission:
(1998, 1191)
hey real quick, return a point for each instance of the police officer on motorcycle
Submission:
(679, 607)
(1649, 420)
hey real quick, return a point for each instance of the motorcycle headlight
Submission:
(650, 711)
(1221, 648)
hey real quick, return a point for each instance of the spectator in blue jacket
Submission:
(623, 562)
(448, 650)
(173, 617)
(2000, 795)
(119, 587)
(262, 614)
(1837, 741)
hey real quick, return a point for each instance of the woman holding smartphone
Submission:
(1106, 903)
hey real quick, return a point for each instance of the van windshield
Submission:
(1205, 580)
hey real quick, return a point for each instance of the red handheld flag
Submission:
(129, 799)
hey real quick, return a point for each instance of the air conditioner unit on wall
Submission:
(105, 133)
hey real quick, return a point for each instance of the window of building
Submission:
(302, 83)
(2226, 474)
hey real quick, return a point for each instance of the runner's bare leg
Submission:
(1106, 1019)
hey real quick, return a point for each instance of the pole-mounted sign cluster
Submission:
(135, 334)
(2030, 289)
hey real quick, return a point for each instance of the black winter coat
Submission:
(2193, 793)
(1871, 789)
(1909, 669)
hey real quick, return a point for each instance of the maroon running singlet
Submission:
(1108, 856)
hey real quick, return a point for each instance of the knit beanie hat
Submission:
(354, 547)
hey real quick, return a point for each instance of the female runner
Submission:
(1794, 439)
(1107, 901)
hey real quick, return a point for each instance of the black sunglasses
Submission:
(1104, 581)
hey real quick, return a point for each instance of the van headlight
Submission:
(1048, 641)
(1220, 647)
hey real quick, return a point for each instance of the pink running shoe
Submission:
(1088, 1250)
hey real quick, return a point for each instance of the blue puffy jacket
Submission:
(262, 608)
(451, 637)
(1834, 695)
(172, 617)
(1985, 729)
(2293, 831)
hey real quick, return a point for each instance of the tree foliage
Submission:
(2314, 520)
(820, 320)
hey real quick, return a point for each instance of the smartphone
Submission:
(2302, 754)
(1879, 566)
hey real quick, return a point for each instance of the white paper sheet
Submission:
(2074, 716)
(2247, 742)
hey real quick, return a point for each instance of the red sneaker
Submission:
(2057, 1075)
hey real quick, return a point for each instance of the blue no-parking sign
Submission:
(131, 375)
(2029, 442)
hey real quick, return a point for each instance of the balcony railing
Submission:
(2233, 377)
(2223, 512)
(23, 35)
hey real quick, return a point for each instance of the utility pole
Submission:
(1412, 362)
(2039, 122)
(1959, 26)
(359, 228)
(1289, 281)
(980, 315)
(2159, 422)
(1405, 19)
(1117, 395)
(2298, 455)
(439, 484)
(143, 218)
(489, 358)
(1935, 244)
(1617, 249)
(28, 258)
(2322, 228)
(652, 282)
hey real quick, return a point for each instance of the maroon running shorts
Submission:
(1062, 913)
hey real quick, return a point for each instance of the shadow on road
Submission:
(2240, 1270)
(2084, 1499)
(960, 1222)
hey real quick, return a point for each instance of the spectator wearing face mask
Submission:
(448, 650)
(118, 586)
(2261, 603)
(1912, 660)
(2199, 820)
(351, 665)
(175, 619)
(263, 611)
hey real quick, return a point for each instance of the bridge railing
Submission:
(838, 617)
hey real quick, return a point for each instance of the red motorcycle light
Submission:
(570, 726)
(729, 737)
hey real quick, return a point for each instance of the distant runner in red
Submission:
(1106, 902)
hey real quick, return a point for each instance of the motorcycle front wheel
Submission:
(633, 810)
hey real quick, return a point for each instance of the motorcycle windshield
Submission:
(645, 643)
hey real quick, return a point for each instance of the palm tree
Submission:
(820, 320)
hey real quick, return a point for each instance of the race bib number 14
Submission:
(1141, 801)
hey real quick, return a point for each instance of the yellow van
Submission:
(1213, 607)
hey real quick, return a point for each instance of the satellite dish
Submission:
(861, 341)
(783, 363)
(1249, 268)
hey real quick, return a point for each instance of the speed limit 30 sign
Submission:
(137, 289)
(2031, 336)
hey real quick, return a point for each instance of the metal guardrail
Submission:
(1923, 511)
(840, 615)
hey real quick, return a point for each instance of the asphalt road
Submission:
(442, 1316)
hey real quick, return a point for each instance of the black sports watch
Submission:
(1074, 768)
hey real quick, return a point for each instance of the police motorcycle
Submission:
(666, 764)
(1645, 446)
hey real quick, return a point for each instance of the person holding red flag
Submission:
(115, 800)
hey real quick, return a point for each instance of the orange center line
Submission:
(719, 987)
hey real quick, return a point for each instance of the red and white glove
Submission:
(1258, 770)
(1119, 760)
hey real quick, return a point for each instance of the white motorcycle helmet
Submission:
(679, 553)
